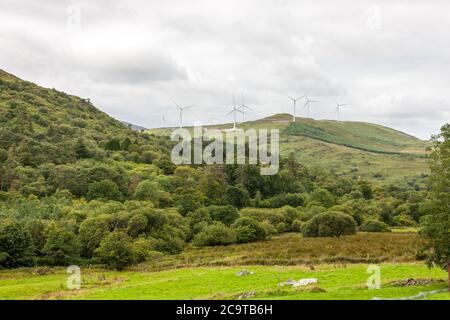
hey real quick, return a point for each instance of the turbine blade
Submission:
(176, 104)
(289, 97)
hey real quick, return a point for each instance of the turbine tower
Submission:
(308, 103)
(181, 109)
(338, 108)
(243, 107)
(233, 111)
(295, 104)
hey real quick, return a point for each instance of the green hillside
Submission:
(357, 149)
(78, 187)
(41, 125)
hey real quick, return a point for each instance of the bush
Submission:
(248, 230)
(287, 199)
(188, 202)
(141, 249)
(151, 191)
(237, 196)
(16, 245)
(269, 228)
(225, 214)
(62, 247)
(322, 197)
(297, 225)
(374, 226)
(105, 189)
(329, 224)
(403, 220)
(136, 225)
(214, 235)
(115, 250)
(91, 233)
(282, 227)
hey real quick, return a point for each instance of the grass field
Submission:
(335, 282)
(292, 249)
(210, 273)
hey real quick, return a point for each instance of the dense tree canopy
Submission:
(436, 223)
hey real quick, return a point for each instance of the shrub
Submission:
(62, 247)
(168, 245)
(297, 225)
(16, 245)
(214, 235)
(248, 230)
(225, 214)
(136, 225)
(374, 226)
(237, 196)
(329, 224)
(115, 250)
(91, 233)
(287, 199)
(269, 228)
(151, 191)
(282, 227)
(105, 189)
(141, 249)
(188, 202)
(322, 197)
(403, 220)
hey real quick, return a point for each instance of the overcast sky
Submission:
(389, 59)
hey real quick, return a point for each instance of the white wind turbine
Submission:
(338, 108)
(181, 109)
(295, 104)
(243, 107)
(308, 103)
(233, 111)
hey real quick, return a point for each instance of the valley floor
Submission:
(335, 282)
(340, 265)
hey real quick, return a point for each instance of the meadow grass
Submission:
(340, 265)
(293, 249)
(335, 282)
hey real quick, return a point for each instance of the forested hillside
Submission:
(78, 186)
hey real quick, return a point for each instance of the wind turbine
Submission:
(242, 107)
(181, 109)
(308, 103)
(295, 104)
(233, 111)
(163, 120)
(338, 107)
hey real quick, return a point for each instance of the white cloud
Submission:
(390, 60)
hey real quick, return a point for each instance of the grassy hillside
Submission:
(356, 149)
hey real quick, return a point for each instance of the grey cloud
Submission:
(132, 58)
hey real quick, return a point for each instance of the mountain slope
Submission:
(356, 149)
(40, 125)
